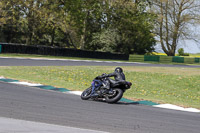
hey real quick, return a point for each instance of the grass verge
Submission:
(178, 86)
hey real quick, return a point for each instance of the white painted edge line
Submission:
(175, 107)
(26, 83)
(23, 83)
(75, 92)
(14, 57)
(2, 78)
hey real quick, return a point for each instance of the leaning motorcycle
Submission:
(98, 91)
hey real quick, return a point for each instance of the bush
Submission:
(181, 52)
(186, 54)
(106, 40)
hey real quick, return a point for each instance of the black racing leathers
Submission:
(119, 78)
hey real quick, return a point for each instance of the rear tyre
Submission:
(86, 93)
(115, 97)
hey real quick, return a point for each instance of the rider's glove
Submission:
(104, 75)
(98, 77)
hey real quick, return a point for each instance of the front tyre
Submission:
(115, 96)
(86, 93)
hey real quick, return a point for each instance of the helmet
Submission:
(118, 69)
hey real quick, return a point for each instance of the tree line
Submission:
(124, 26)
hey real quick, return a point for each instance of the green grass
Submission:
(195, 55)
(178, 86)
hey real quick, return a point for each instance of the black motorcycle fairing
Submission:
(114, 83)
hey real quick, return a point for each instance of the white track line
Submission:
(26, 83)
(75, 92)
(174, 107)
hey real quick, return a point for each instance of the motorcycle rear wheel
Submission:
(115, 97)
(86, 93)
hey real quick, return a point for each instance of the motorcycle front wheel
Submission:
(86, 93)
(115, 96)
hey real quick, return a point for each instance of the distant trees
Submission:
(134, 25)
(175, 21)
(123, 26)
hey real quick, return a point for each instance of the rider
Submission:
(117, 74)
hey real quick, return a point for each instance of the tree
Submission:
(86, 16)
(134, 24)
(106, 41)
(181, 52)
(10, 20)
(175, 18)
(123, 26)
(32, 13)
(52, 15)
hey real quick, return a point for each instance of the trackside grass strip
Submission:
(180, 86)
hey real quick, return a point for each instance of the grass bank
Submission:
(178, 86)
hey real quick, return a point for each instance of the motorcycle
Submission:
(98, 90)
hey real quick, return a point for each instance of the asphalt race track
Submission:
(57, 62)
(32, 104)
(64, 109)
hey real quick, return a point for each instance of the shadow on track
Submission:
(131, 103)
(118, 103)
